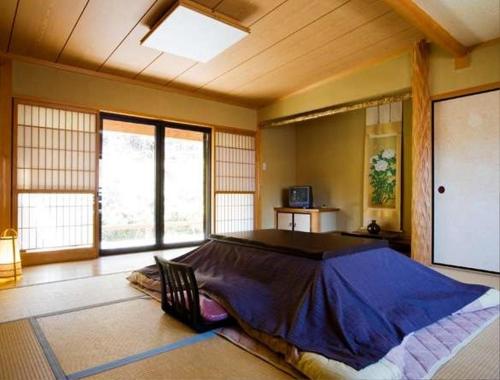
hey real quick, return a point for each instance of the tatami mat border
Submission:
(65, 280)
(141, 356)
(47, 350)
(79, 308)
(56, 366)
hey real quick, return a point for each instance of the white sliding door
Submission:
(466, 181)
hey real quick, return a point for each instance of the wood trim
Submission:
(237, 131)
(133, 81)
(305, 210)
(341, 74)
(480, 45)
(33, 101)
(314, 222)
(329, 111)
(47, 257)
(427, 25)
(6, 144)
(421, 210)
(154, 117)
(462, 62)
(257, 197)
(466, 91)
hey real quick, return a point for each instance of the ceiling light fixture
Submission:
(192, 31)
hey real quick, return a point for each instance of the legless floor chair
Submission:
(181, 299)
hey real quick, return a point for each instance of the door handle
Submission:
(441, 189)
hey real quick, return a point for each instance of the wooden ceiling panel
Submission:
(166, 68)
(103, 25)
(130, 57)
(292, 43)
(321, 63)
(247, 12)
(336, 24)
(43, 26)
(7, 13)
(264, 34)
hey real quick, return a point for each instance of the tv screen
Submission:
(300, 196)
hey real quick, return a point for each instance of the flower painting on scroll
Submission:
(382, 173)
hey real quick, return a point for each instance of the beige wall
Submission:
(392, 75)
(328, 154)
(484, 68)
(330, 159)
(278, 155)
(389, 76)
(106, 94)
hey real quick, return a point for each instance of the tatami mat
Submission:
(91, 337)
(215, 358)
(53, 297)
(21, 356)
(477, 360)
(470, 276)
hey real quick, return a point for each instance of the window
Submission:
(55, 181)
(154, 184)
(234, 182)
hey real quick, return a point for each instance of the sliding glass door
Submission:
(184, 186)
(154, 184)
(127, 181)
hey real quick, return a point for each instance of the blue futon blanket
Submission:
(352, 308)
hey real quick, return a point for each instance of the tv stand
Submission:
(322, 219)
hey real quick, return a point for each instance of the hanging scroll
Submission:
(382, 166)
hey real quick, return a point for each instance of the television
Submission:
(300, 197)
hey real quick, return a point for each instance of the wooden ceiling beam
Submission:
(428, 26)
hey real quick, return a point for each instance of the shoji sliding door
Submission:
(54, 196)
(235, 182)
(466, 181)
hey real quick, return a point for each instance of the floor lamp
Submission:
(10, 258)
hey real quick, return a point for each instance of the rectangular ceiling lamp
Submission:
(192, 31)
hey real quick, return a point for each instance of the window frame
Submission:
(42, 256)
(160, 126)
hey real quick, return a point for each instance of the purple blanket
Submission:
(352, 308)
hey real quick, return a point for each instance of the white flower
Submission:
(388, 153)
(381, 165)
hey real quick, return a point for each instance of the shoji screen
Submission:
(55, 177)
(235, 182)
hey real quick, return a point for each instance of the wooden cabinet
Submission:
(284, 221)
(306, 220)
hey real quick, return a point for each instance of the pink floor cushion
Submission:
(211, 311)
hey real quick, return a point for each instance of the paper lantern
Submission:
(10, 258)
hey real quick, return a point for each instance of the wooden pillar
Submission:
(5, 143)
(421, 211)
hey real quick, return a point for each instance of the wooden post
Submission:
(421, 211)
(5, 144)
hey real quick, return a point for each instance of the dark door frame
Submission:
(160, 126)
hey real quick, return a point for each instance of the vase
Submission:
(373, 228)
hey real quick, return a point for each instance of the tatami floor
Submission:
(83, 320)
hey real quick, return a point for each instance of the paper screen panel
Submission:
(235, 162)
(234, 212)
(56, 149)
(54, 221)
